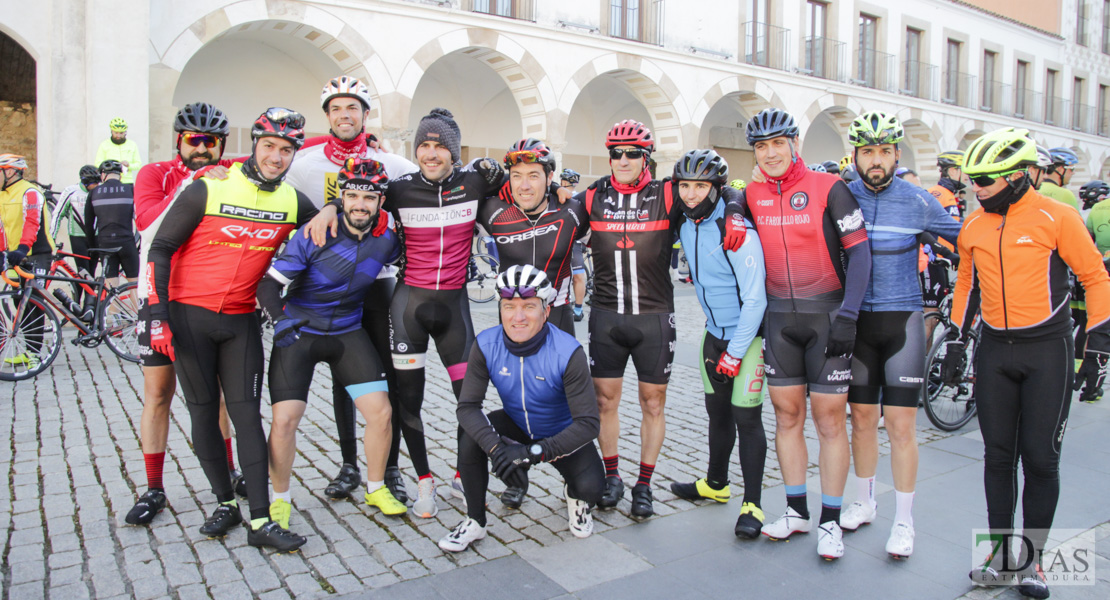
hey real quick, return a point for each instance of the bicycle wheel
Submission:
(119, 320)
(481, 278)
(29, 340)
(950, 404)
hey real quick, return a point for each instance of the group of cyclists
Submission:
(813, 281)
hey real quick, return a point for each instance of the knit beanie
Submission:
(439, 126)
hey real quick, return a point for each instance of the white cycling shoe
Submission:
(786, 525)
(900, 544)
(858, 513)
(830, 541)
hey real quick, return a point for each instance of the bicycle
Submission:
(481, 278)
(950, 402)
(30, 331)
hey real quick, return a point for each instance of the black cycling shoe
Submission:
(686, 491)
(396, 484)
(271, 535)
(150, 504)
(641, 501)
(239, 483)
(221, 521)
(344, 483)
(1033, 584)
(513, 496)
(614, 491)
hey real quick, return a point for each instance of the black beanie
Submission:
(439, 126)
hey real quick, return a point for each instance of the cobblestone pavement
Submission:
(75, 468)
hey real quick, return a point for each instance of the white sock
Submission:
(865, 490)
(286, 495)
(903, 513)
(374, 486)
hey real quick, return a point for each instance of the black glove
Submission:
(1091, 375)
(491, 170)
(287, 331)
(842, 337)
(15, 257)
(508, 458)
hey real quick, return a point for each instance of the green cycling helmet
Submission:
(1000, 152)
(875, 128)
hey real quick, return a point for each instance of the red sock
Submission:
(154, 464)
(611, 466)
(646, 471)
(230, 457)
(426, 476)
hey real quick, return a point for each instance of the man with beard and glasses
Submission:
(888, 360)
(201, 134)
(346, 104)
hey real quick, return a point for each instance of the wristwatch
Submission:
(535, 453)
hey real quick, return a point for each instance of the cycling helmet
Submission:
(1063, 156)
(201, 117)
(530, 150)
(1044, 158)
(570, 175)
(849, 174)
(118, 125)
(1000, 152)
(846, 162)
(770, 123)
(282, 123)
(1092, 192)
(831, 166)
(364, 175)
(110, 166)
(701, 165)
(525, 281)
(13, 161)
(875, 128)
(817, 168)
(950, 158)
(345, 87)
(630, 133)
(88, 175)
(738, 184)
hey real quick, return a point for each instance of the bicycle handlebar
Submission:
(21, 272)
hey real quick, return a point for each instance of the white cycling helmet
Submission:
(525, 281)
(345, 87)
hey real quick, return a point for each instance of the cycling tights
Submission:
(217, 350)
(1023, 390)
(735, 404)
(417, 314)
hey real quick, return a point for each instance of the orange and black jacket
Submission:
(1018, 263)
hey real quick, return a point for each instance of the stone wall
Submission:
(18, 134)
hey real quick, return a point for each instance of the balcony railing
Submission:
(959, 89)
(824, 58)
(995, 97)
(1083, 118)
(1027, 104)
(765, 45)
(637, 20)
(875, 70)
(1055, 111)
(1104, 123)
(919, 80)
(524, 10)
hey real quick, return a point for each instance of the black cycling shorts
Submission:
(889, 357)
(562, 317)
(419, 314)
(354, 365)
(649, 339)
(148, 357)
(794, 349)
(127, 258)
(577, 262)
(935, 284)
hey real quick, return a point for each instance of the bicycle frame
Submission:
(27, 290)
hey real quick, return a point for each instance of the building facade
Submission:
(565, 71)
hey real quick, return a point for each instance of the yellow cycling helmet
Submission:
(846, 162)
(738, 184)
(875, 128)
(950, 158)
(1000, 152)
(118, 125)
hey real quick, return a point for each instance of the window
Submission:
(952, 72)
(761, 11)
(1106, 26)
(1081, 23)
(1021, 89)
(912, 84)
(989, 59)
(1050, 100)
(868, 43)
(636, 20)
(815, 37)
(514, 9)
(1103, 124)
(1079, 115)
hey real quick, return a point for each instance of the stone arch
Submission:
(1104, 168)
(1083, 172)
(720, 117)
(967, 132)
(827, 119)
(923, 135)
(19, 100)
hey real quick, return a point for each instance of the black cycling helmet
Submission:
(111, 166)
(770, 123)
(849, 174)
(201, 117)
(701, 165)
(831, 166)
(530, 150)
(571, 176)
(1093, 192)
(281, 123)
(817, 168)
(88, 175)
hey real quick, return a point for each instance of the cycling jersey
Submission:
(1020, 261)
(436, 225)
(947, 199)
(127, 152)
(544, 242)
(110, 211)
(1049, 189)
(327, 284)
(72, 210)
(631, 241)
(729, 285)
(894, 217)
(227, 232)
(315, 175)
(24, 216)
(1098, 223)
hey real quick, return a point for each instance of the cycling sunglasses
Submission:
(290, 118)
(633, 154)
(988, 180)
(526, 291)
(196, 139)
(523, 156)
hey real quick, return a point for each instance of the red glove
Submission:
(161, 338)
(728, 364)
(735, 231)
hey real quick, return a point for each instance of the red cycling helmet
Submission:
(366, 175)
(630, 133)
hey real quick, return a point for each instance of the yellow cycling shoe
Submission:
(25, 359)
(385, 501)
(280, 511)
(700, 489)
(750, 522)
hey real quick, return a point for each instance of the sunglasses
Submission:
(196, 139)
(633, 154)
(525, 292)
(522, 156)
(290, 118)
(988, 180)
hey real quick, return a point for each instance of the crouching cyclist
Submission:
(549, 409)
(322, 322)
(730, 288)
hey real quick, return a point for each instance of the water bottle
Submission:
(66, 301)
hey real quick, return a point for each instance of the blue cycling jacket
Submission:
(730, 285)
(894, 217)
(328, 283)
